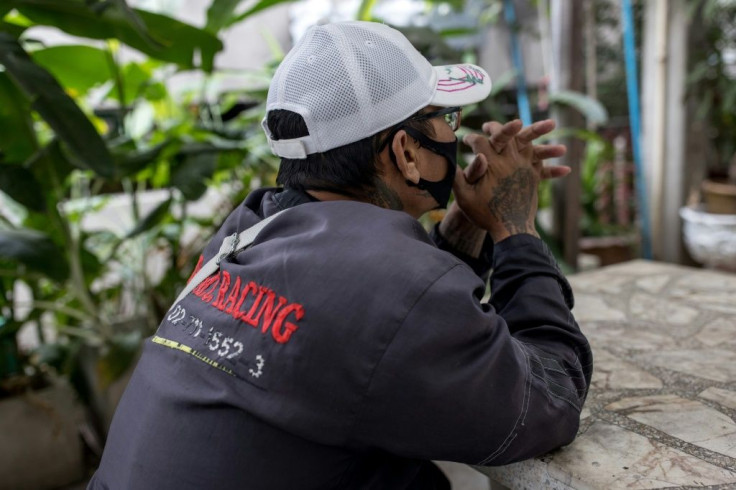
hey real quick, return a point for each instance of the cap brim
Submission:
(459, 85)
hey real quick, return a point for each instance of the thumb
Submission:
(478, 143)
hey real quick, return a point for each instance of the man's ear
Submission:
(405, 151)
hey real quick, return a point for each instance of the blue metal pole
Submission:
(516, 57)
(632, 88)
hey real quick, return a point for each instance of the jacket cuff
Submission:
(531, 253)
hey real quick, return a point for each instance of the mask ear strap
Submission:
(445, 149)
(421, 138)
(441, 148)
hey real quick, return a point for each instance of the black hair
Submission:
(348, 170)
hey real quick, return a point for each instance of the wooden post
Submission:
(664, 115)
(567, 44)
(591, 65)
(676, 130)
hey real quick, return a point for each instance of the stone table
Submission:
(661, 410)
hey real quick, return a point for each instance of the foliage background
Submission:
(136, 154)
(85, 132)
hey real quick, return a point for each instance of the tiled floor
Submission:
(662, 408)
(463, 477)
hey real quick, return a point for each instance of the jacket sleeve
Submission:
(484, 384)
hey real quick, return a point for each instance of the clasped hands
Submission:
(497, 191)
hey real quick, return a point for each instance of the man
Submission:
(346, 348)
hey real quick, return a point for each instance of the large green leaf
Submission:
(17, 139)
(131, 162)
(36, 251)
(49, 164)
(56, 108)
(151, 219)
(19, 183)
(365, 11)
(77, 68)
(13, 22)
(156, 35)
(587, 106)
(135, 77)
(261, 5)
(194, 166)
(138, 80)
(133, 18)
(220, 13)
(182, 42)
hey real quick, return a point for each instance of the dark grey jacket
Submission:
(345, 350)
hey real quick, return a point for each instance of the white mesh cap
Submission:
(350, 80)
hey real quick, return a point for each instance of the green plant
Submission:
(597, 188)
(712, 81)
(606, 195)
(62, 161)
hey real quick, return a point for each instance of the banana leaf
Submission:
(36, 251)
(156, 35)
(17, 139)
(77, 68)
(20, 184)
(56, 107)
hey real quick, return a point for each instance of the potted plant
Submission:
(40, 414)
(606, 226)
(719, 192)
(709, 228)
(712, 83)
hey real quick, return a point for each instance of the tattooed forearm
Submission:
(464, 236)
(512, 202)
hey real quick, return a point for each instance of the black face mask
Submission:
(440, 190)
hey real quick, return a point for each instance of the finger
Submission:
(477, 142)
(500, 136)
(543, 152)
(500, 139)
(555, 172)
(491, 127)
(534, 131)
(477, 169)
(460, 180)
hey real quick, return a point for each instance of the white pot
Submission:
(710, 238)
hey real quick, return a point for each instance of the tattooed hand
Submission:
(455, 227)
(504, 200)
